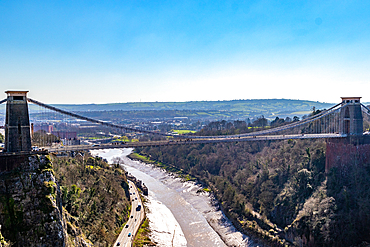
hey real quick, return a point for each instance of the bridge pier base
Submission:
(10, 162)
(344, 152)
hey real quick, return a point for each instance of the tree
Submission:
(240, 124)
(277, 122)
(260, 122)
(41, 138)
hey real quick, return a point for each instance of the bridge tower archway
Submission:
(351, 117)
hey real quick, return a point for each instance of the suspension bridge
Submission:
(342, 120)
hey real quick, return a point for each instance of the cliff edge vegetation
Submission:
(63, 201)
(95, 197)
(30, 206)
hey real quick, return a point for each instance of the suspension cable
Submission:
(288, 126)
(96, 121)
(277, 129)
(368, 110)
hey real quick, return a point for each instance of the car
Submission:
(96, 145)
(126, 226)
(129, 234)
(132, 216)
(135, 198)
(118, 244)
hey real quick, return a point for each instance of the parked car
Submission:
(129, 234)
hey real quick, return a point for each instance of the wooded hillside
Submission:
(278, 191)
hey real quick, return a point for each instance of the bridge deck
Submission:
(10, 154)
(193, 141)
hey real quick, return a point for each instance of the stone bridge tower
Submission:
(355, 148)
(17, 124)
(351, 121)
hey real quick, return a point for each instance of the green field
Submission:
(181, 132)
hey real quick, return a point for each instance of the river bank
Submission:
(196, 214)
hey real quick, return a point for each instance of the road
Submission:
(133, 223)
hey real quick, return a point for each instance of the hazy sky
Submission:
(125, 51)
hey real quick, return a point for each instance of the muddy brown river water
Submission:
(178, 215)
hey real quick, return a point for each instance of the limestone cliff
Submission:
(31, 212)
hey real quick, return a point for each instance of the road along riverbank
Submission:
(129, 231)
(178, 214)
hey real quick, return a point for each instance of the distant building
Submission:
(65, 134)
(45, 127)
(70, 142)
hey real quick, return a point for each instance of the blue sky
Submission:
(130, 51)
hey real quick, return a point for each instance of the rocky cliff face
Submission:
(31, 212)
(2, 241)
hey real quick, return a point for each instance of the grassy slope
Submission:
(142, 237)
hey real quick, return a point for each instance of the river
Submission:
(178, 215)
